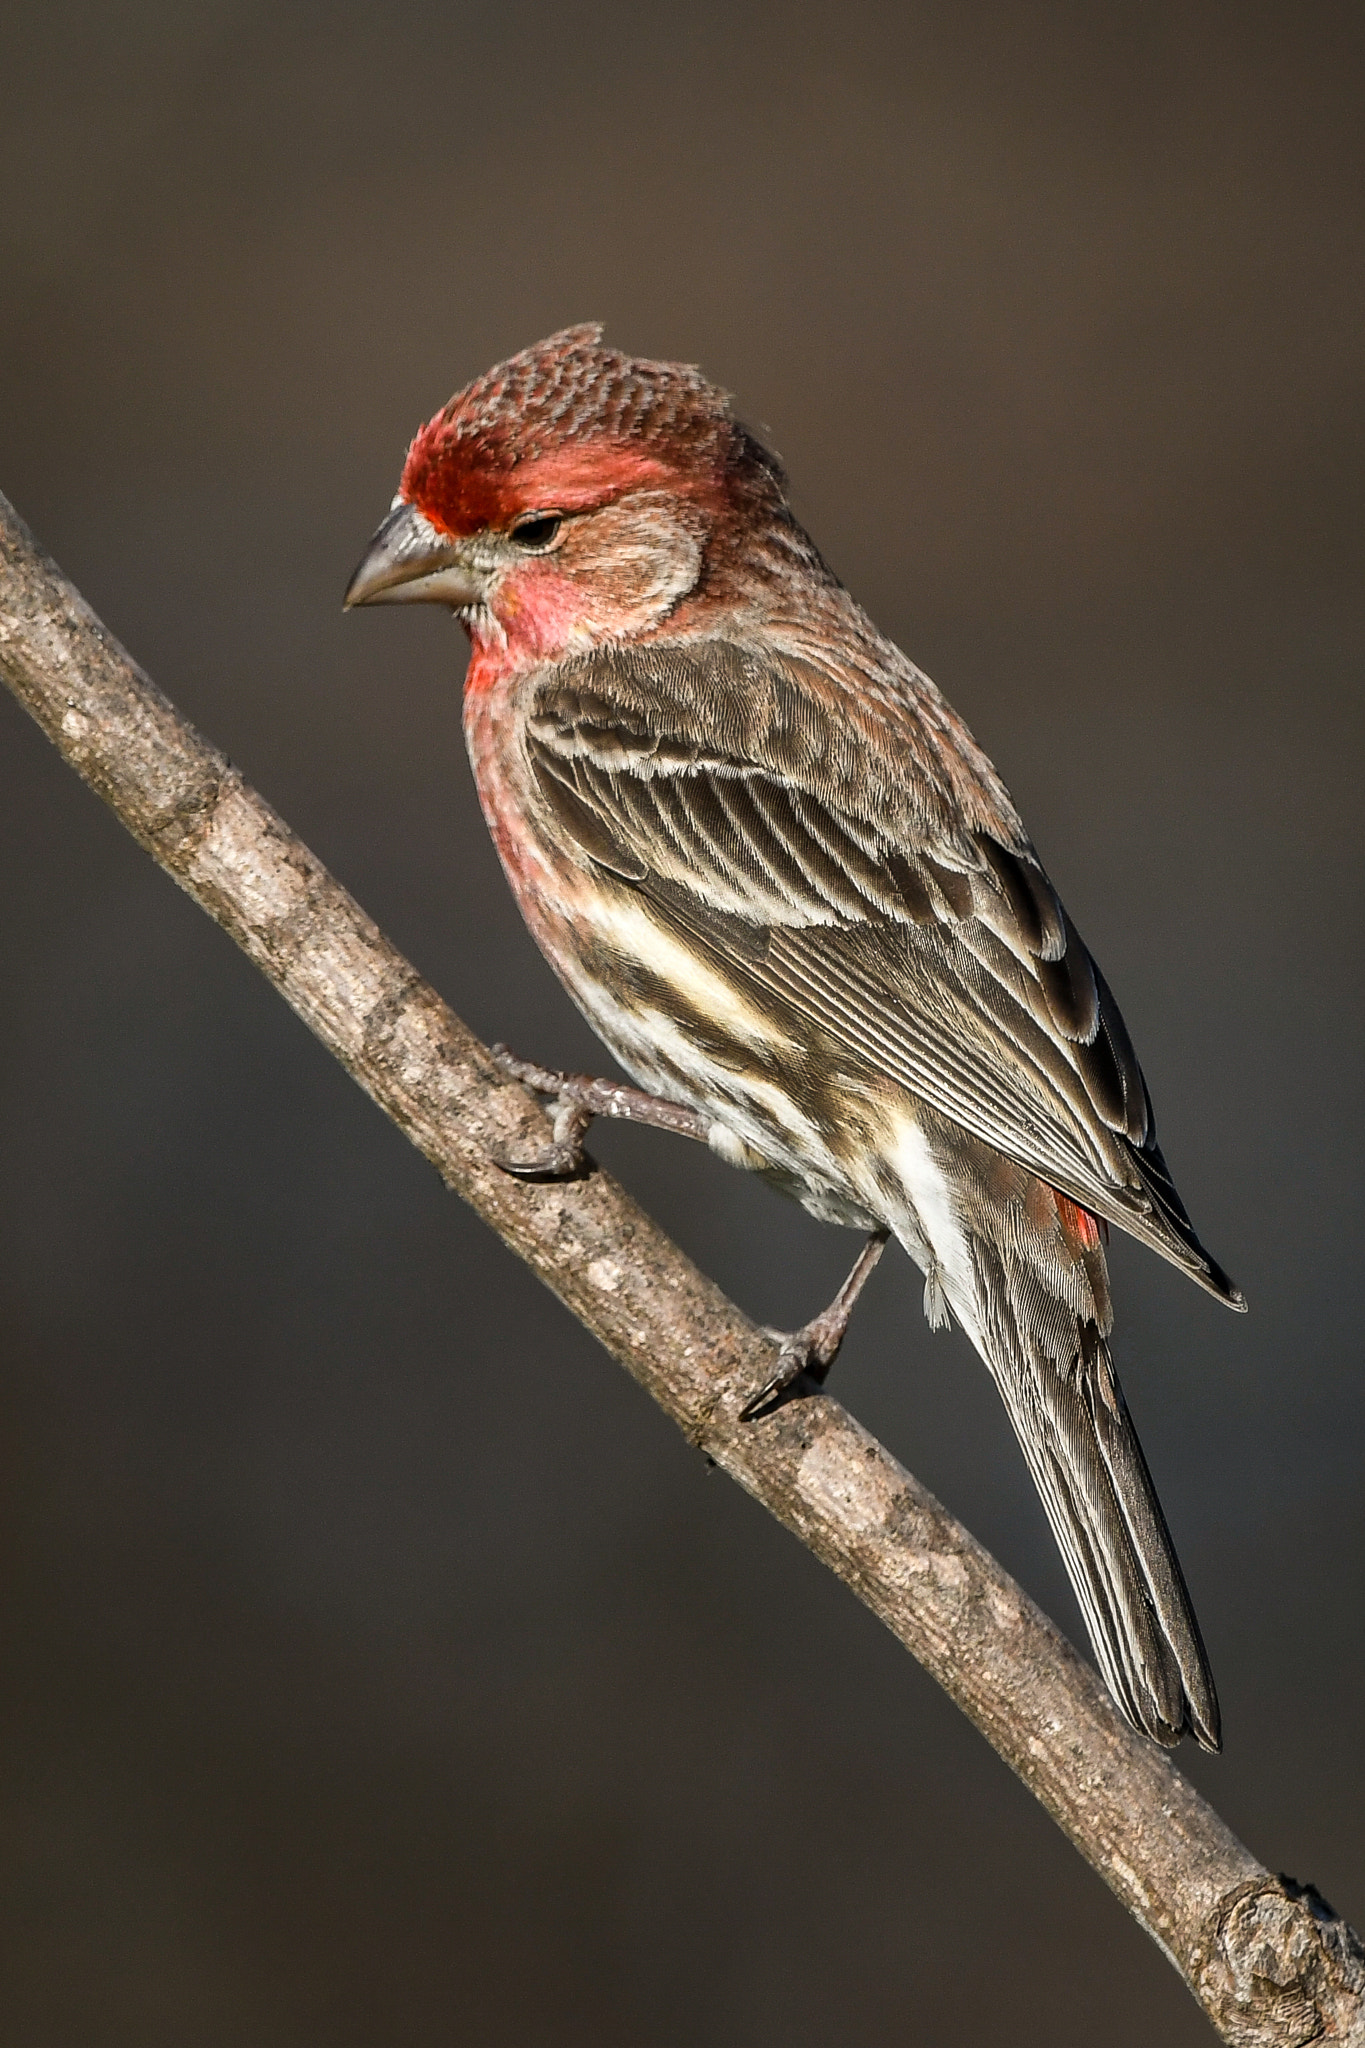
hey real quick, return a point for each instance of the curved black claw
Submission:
(562, 1159)
(799, 1356)
(813, 1349)
(577, 1099)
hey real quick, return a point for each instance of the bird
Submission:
(793, 897)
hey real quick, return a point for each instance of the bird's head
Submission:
(571, 495)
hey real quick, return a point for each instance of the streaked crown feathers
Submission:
(569, 424)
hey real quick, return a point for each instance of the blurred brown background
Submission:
(379, 1666)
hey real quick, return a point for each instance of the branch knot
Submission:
(1283, 1968)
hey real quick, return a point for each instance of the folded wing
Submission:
(932, 947)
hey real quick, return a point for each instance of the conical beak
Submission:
(409, 562)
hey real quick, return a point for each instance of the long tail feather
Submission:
(1076, 1434)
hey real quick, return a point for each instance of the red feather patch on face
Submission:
(568, 425)
(463, 487)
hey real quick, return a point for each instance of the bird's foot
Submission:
(806, 1353)
(810, 1351)
(563, 1158)
(577, 1099)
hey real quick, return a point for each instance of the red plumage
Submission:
(572, 424)
(778, 875)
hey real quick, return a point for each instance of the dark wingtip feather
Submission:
(1222, 1285)
(1225, 1287)
(1216, 1282)
(1070, 988)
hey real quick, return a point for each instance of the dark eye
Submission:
(537, 532)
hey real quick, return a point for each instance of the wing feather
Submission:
(928, 948)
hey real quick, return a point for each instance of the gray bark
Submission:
(1267, 1959)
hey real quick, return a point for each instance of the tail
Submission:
(1055, 1374)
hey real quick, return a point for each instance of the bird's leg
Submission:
(813, 1349)
(577, 1099)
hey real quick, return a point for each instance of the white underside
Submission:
(950, 1281)
(760, 1126)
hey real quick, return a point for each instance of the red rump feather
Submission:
(1079, 1227)
(568, 425)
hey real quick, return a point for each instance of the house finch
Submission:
(781, 880)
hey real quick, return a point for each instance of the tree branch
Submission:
(1267, 1959)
